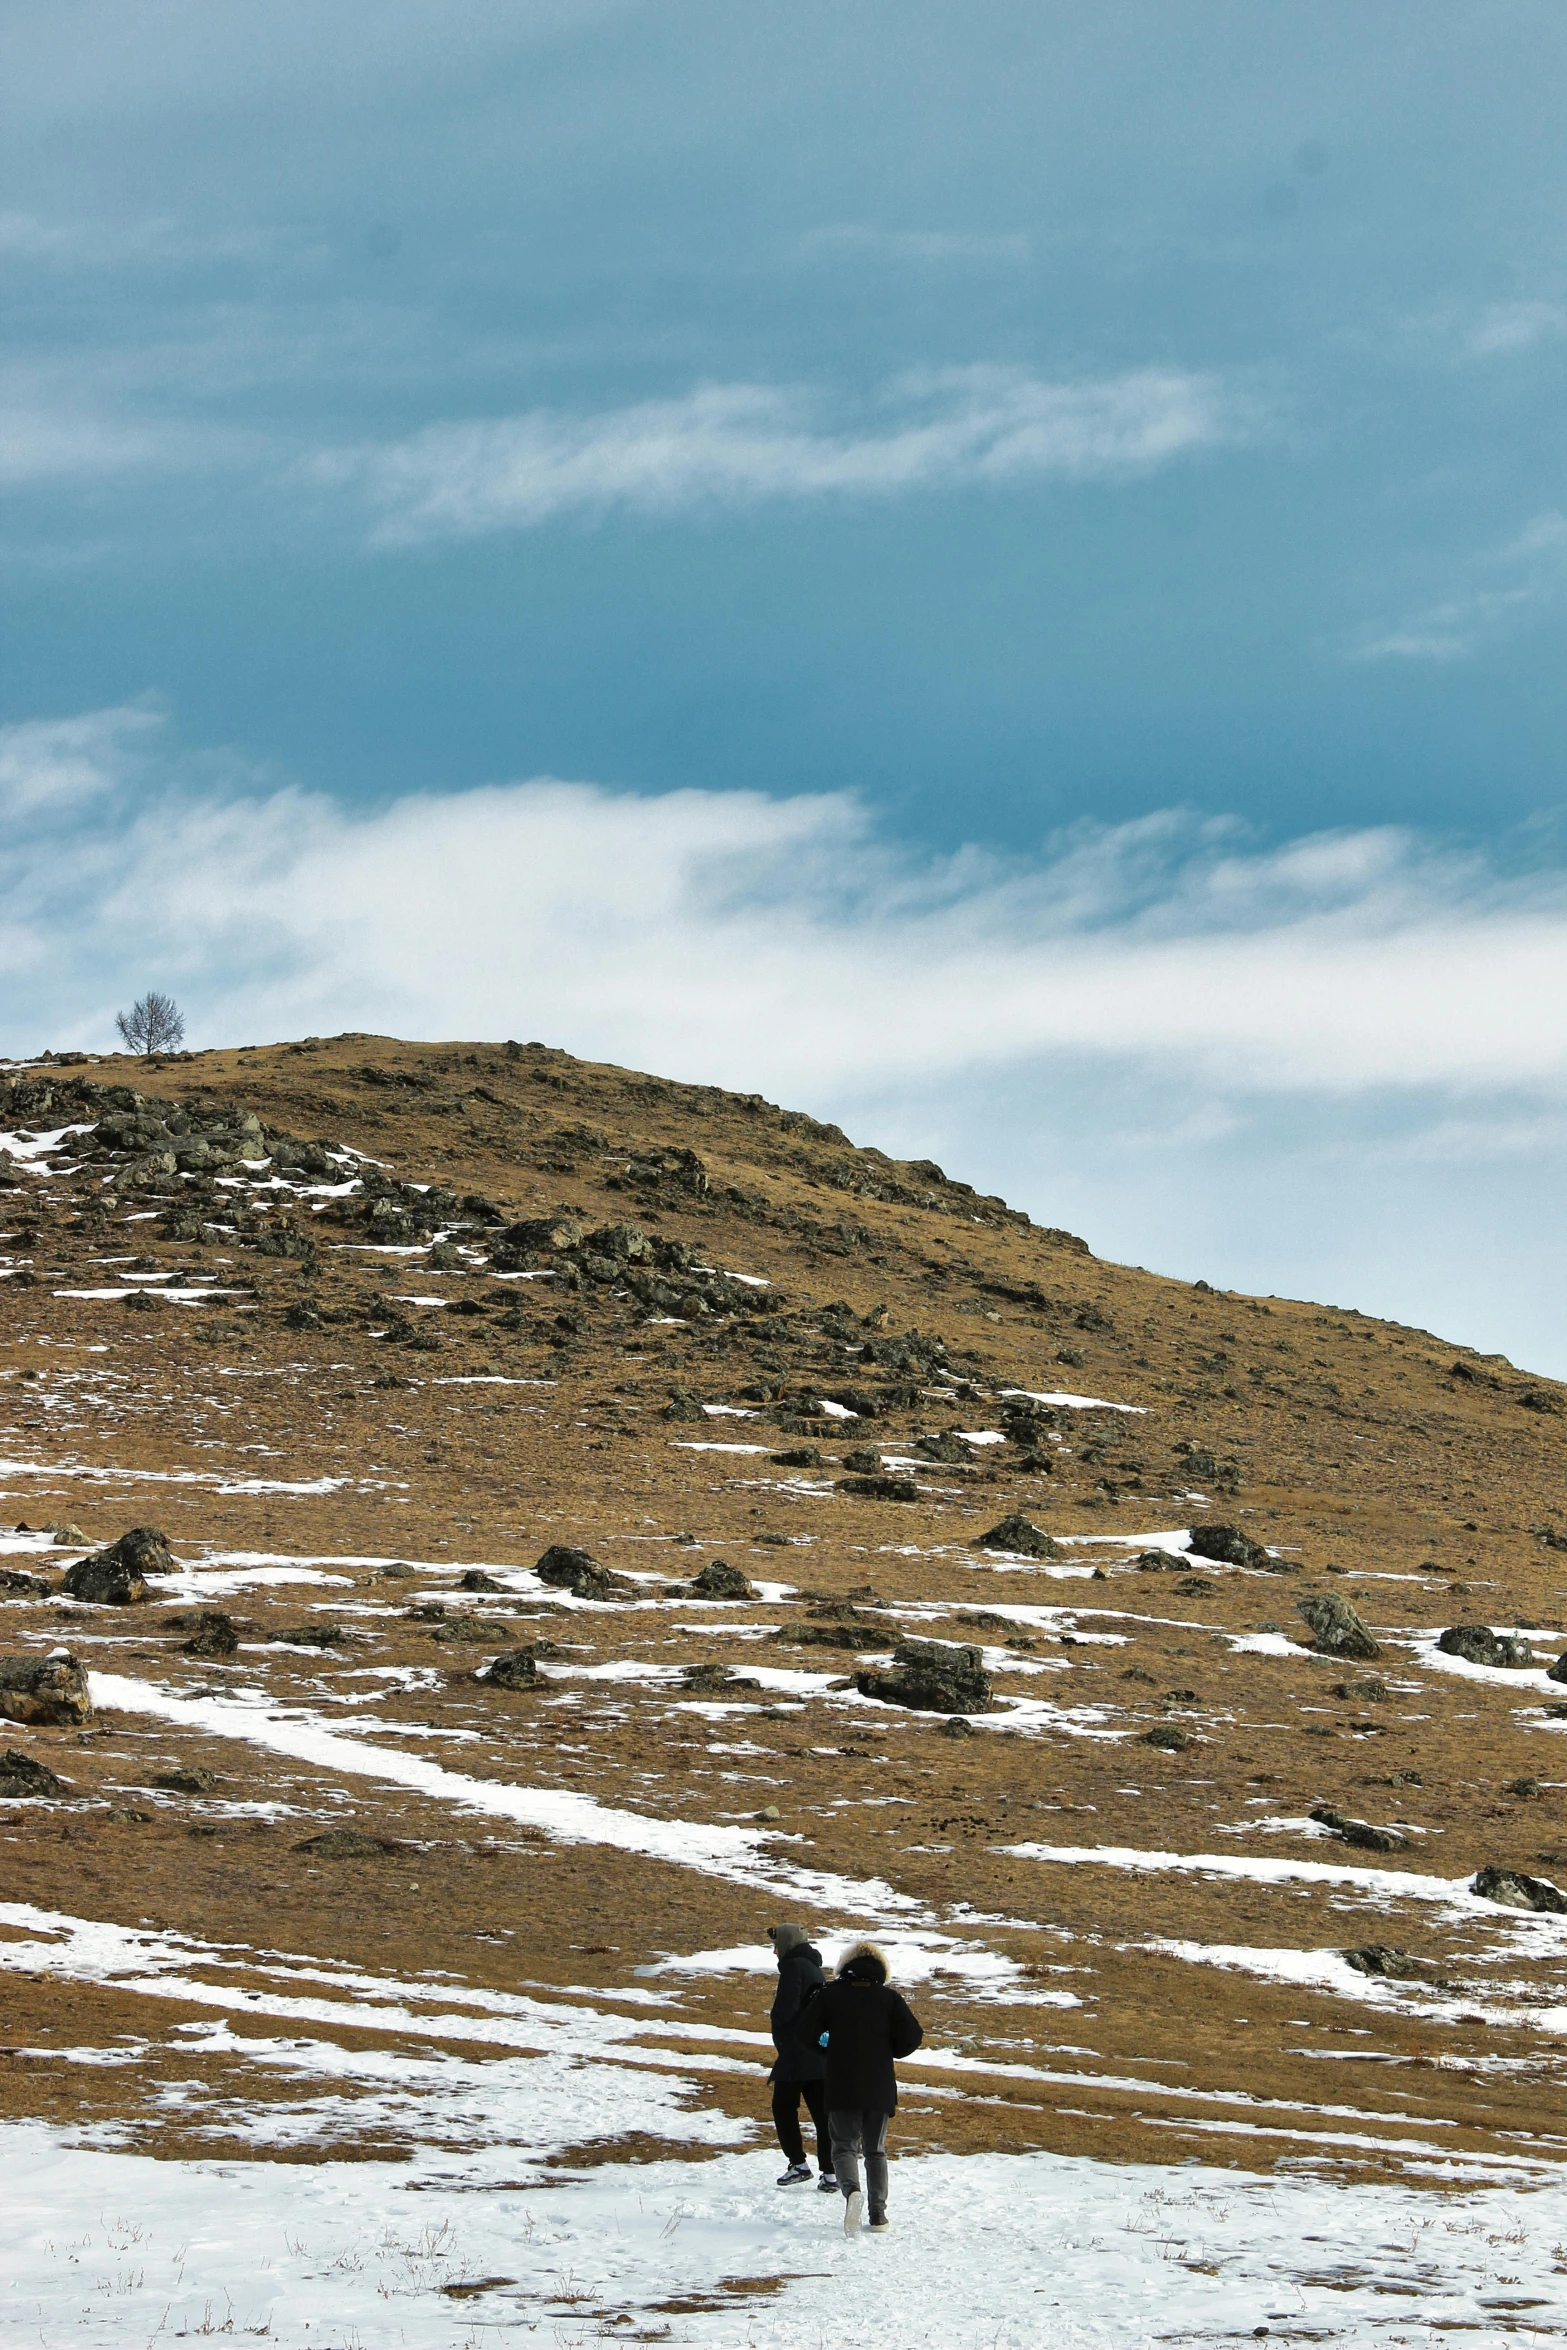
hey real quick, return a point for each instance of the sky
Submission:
(996, 575)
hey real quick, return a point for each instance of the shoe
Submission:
(794, 2174)
(827, 2184)
(878, 2219)
(852, 2212)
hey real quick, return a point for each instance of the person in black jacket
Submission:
(863, 2025)
(800, 2068)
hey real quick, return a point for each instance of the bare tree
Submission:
(154, 1024)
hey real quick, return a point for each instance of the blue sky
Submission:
(996, 573)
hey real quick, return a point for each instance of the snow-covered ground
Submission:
(454, 2249)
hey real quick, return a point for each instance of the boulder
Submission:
(214, 1635)
(708, 1680)
(578, 1572)
(1213, 1540)
(1381, 1959)
(719, 1580)
(44, 1690)
(516, 1670)
(15, 1585)
(799, 1456)
(21, 1775)
(931, 1678)
(344, 1844)
(1514, 1890)
(1359, 1832)
(1336, 1629)
(477, 1580)
(314, 1636)
(1369, 1691)
(1020, 1535)
(880, 1488)
(948, 1446)
(682, 1406)
(187, 1779)
(864, 1460)
(468, 1632)
(1477, 1644)
(117, 1575)
(1167, 1737)
(1157, 1562)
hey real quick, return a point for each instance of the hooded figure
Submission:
(863, 2026)
(800, 2067)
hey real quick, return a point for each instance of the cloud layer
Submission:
(742, 444)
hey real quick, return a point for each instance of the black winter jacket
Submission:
(799, 1978)
(867, 2025)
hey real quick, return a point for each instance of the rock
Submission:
(880, 1488)
(707, 1679)
(516, 1670)
(140, 1552)
(931, 1678)
(1514, 1890)
(477, 1580)
(719, 1580)
(1196, 1587)
(1157, 1562)
(1019, 1534)
(344, 1844)
(397, 1571)
(949, 1446)
(1381, 1959)
(682, 1406)
(188, 1779)
(21, 1776)
(16, 1585)
(959, 1727)
(314, 1636)
(1477, 1644)
(1336, 1629)
(1526, 1789)
(799, 1456)
(578, 1572)
(1557, 1671)
(772, 1541)
(1367, 1692)
(1213, 1540)
(1167, 1738)
(44, 1690)
(214, 1635)
(1359, 1832)
(769, 1811)
(69, 1536)
(864, 1460)
(468, 1632)
(104, 1581)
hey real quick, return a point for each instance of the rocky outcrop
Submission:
(930, 1678)
(117, 1575)
(1477, 1644)
(1019, 1535)
(1336, 1629)
(1359, 1832)
(517, 1669)
(1513, 1889)
(719, 1580)
(1212, 1539)
(44, 1691)
(22, 1775)
(578, 1572)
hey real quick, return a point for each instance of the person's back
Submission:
(864, 2026)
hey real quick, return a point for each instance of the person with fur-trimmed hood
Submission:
(863, 2025)
(800, 2069)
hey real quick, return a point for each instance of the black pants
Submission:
(786, 2120)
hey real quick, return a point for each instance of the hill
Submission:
(367, 1329)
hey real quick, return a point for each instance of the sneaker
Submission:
(827, 2184)
(878, 2219)
(794, 2174)
(852, 2211)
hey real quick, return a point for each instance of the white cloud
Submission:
(1506, 583)
(742, 444)
(49, 766)
(1508, 328)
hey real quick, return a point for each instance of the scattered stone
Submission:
(1515, 1890)
(769, 1811)
(1526, 1789)
(1196, 1587)
(1477, 1644)
(315, 1636)
(863, 1459)
(949, 1446)
(188, 1779)
(214, 1634)
(880, 1488)
(1359, 1832)
(682, 1406)
(67, 1535)
(44, 1690)
(16, 1585)
(931, 1678)
(477, 1580)
(1020, 1535)
(116, 1576)
(21, 1775)
(1336, 1629)
(707, 1679)
(959, 1727)
(1369, 1691)
(1214, 1540)
(468, 1632)
(518, 1669)
(1167, 1738)
(719, 1580)
(397, 1571)
(1157, 1562)
(344, 1844)
(772, 1541)
(578, 1572)
(799, 1456)
(1381, 1959)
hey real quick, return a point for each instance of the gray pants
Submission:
(853, 2134)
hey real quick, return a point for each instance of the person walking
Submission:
(800, 2068)
(863, 2025)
